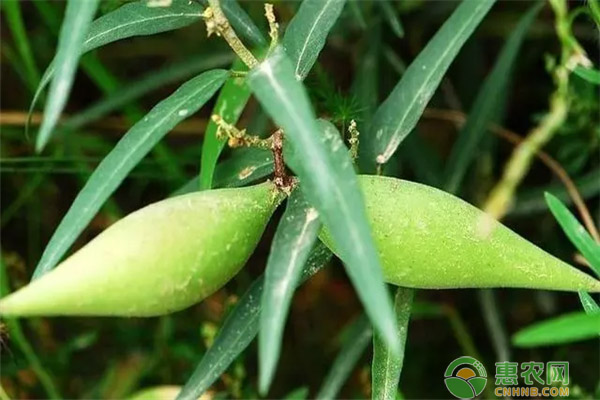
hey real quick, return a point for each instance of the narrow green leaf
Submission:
(297, 394)
(133, 19)
(399, 113)
(366, 84)
(425, 162)
(575, 232)
(144, 85)
(486, 104)
(294, 237)
(329, 182)
(230, 105)
(564, 329)
(391, 17)
(242, 23)
(14, 18)
(588, 303)
(246, 166)
(136, 143)
(307, 32)
(78, 17)
(591, 75)
(239, 329)
(387, 366)
(358, 337)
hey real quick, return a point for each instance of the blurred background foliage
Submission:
(113, 358)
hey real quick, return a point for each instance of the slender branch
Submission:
(353, 140)
(273, 26)
(459, 118)
(520, 161)
(217, 22)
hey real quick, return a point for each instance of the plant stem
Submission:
(217, 22)
(520, 161)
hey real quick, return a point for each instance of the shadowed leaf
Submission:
(239, 329)
(78, 16)
(295, 236)
(399, 113)
(486, 104)
(387, 366)
(356, 341)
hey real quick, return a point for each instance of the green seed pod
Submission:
(160, 259)
(428, 238)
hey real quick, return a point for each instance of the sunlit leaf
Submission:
(306, 34)
(588, 303)
(589, 74)
(230, 105)
(564, 329)
(575, 232)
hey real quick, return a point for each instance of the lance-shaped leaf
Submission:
(78, 16)
(244, 167)
(575, 232)
(589, 74)
(306, 34)
(230, 105)
(486, 104)
(399, 113)
(133, 19)
(356, 341)
(128, 152)
(588, 303)
(242, 23)
(328, 180)
(564, 329)
(391, 17)
(151, 81)
(295, 236)
(387, 366)
(239, 329)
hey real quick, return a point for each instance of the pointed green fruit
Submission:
(430, 239)
(162, 258)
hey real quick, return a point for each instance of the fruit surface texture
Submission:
(159, 259)
(428, 238)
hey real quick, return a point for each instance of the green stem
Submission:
(217, 22)
(518, 165)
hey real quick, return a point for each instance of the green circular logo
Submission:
(465, 378)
